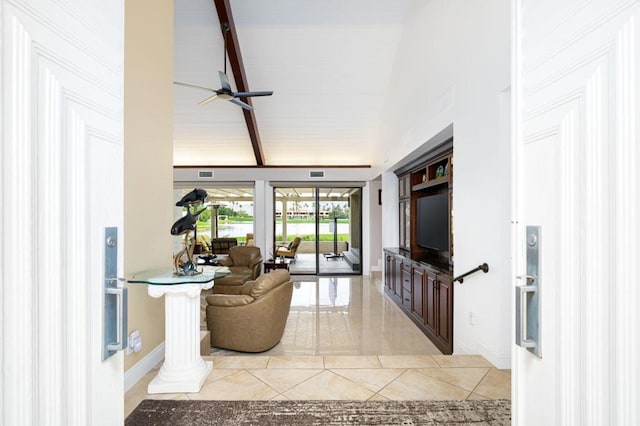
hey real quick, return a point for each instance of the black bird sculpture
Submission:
(184, 226)
(197, 196)
(186, 223)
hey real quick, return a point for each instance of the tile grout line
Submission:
(265, 383)
(397, 377)
(447, 383)
(478, 384)
(360, 384)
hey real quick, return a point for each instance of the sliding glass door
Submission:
(295, 228)
(339, 231)
(318, 230)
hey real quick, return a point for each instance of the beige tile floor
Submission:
(344, 340)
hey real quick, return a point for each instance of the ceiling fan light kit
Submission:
(225, 91)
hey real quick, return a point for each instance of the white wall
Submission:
(453, 67)
(371, 226)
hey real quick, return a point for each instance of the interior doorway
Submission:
(318, 230)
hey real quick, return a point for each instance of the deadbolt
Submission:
(112, 241)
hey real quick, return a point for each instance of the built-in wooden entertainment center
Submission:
(418, 274)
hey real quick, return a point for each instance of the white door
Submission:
(62, 147)
(576, 160)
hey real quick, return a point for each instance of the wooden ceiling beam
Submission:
(237, 67)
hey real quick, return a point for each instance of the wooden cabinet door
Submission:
(430, 303)
(402, 229)
(404, 207)
(418, 278)
(397, 276)
(404, 189)
(444, 323)
(405, 223)
(388, 271)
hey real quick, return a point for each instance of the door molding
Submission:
(575, 93)
(61, 102)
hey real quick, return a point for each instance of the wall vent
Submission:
(205, 174)
(316, 173)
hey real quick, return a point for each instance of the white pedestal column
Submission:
(183, 370)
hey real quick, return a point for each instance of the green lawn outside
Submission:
(206, 225)
(311, 237)
(238, 219)
(297, 220)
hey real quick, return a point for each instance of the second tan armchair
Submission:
(245, 263)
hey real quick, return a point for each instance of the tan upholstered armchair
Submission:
(245, 263)
(254, 319)
(289, 250)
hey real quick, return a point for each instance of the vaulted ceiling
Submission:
(328, 62)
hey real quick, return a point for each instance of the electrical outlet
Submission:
(134, 343)
(473, 319)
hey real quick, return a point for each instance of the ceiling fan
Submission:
(225, 91)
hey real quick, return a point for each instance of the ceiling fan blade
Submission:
(193, 86)
(240, 103)
(209, 99)
(224, 81)
(250, 94)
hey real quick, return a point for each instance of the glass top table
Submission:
(166, 277)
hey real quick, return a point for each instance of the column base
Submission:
(189, 380)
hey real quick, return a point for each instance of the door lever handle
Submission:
(527, 303)
(530, 278)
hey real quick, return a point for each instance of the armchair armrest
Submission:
(226, 261)
(229, 299)
(255, 261)
(256, 267)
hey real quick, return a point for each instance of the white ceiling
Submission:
(328, 62)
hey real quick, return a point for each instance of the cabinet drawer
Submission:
(406, 299)
(406, 286)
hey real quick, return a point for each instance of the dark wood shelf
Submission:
(430, 183)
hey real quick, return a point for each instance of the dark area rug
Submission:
(219, 413)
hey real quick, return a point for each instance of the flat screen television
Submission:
(432, 221)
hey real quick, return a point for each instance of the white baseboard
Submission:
(501, 361)
(377, 267)
(142, 367)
